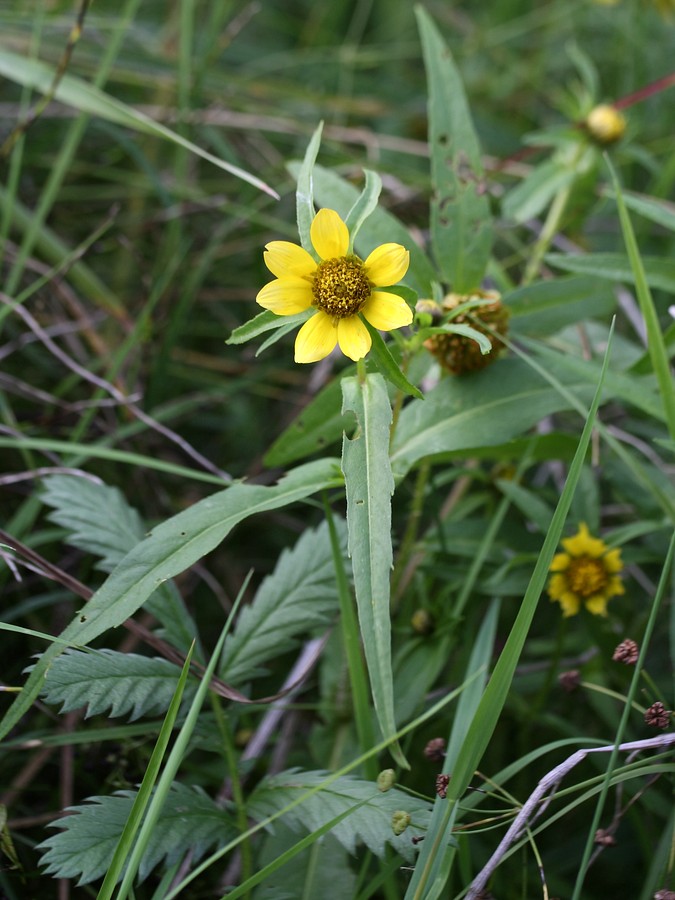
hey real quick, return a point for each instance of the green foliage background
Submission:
(133, 214)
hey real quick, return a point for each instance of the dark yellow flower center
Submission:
(340, 286)
(586, 576)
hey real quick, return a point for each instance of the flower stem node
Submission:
(386, 780)
(587, 573)
(457, 353)
(605, 124)
(341, 290)
(400, 821)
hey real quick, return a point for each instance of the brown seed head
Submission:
(657, 715)
(435, 749)
(442, 782)
(627, 652)
(569, 681)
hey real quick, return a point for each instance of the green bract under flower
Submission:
(341, 288)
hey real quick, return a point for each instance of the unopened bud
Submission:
(386, 780)
(605, 124)
(400, 821)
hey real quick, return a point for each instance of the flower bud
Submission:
(386, 780)
(605, 124)
(400, 821)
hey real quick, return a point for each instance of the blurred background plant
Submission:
(132, 252)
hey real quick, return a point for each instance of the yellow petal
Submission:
(560, 562)
(353, 337)
(286, 296)
(387, 264)
(570, 604)
(582, 544)
(386, 311)
(612, 560)
(597, 605)
(557, 586)
(316, 338)
(283, 258)
(615, 587)
(329, 234)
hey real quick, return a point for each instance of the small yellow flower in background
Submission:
(339, 287)
(605, 124)
(588, 573)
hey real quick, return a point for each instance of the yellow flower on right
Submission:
(588, 573)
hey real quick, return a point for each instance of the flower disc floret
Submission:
(341, 290)
(340, 286)
(586, 573)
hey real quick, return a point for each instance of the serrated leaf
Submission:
(370, 823)
(369, 486)
(77, 505)
(84, 848)
(90, 99)
(123, 683)
(461, 225)
(300, 595)
(171, 548)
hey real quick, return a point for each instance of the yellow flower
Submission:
(339, 288)
(587, 573)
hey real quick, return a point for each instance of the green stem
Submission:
(548, 232)
(237, 793)
(352, 644)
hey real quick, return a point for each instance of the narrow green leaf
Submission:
(83, 96)
(77, 505)
(263, 322)
(533, 194)
(176, 756)
(304, 194)
(171, 548)
(433, 853)
(380, 356)
(660, 211)
(365, 205)
(658, 272)
(123, 851)
(369, 485)
(489, 710)
(381, 227)
(655, 343)
(461, 227)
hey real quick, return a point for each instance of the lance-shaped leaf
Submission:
(461, 227)
(369, 484)
(169, 549)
